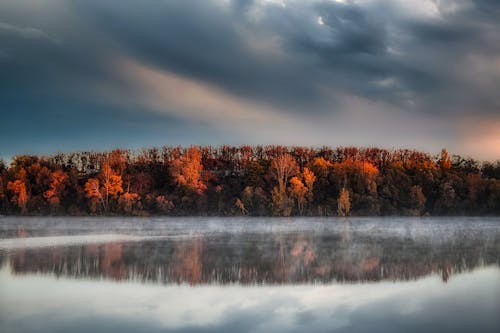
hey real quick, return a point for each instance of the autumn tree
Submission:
(255, 200)
(2, 192)
(3, 196)
(93, 193)
(20, 197)
(309, 179)
(55, 192)
(117, 161)
(301, 188)
(270, 180)
(140, 182)
(298, 191)
(283, 167)
(163, 205)
(360, 176)
(343, 203)
(128, 202)
(111, 184)
(18, 188)
(445, 160)
(187, 169)
(322, 188)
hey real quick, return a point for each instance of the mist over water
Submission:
(249, 274)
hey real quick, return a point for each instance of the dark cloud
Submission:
(203, 40)
(299, 57)
(350, 52)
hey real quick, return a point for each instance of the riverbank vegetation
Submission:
(246, 180)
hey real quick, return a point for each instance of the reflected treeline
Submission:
(287, 258)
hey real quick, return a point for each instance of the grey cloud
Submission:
(25, 32)
(279, 55)
(354, 52)
(202, 41)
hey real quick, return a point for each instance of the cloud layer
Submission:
(95, 75)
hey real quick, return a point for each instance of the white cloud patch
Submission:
(357, 121)
(187, 98)
(26, 32)
(59, 301)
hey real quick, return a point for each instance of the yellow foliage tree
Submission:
(283, 167)
(343, 202)
(309, 179)
(298, 191)
(321, 166)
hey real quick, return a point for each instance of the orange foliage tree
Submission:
(267, 180)
(54, 194)
(320, 166)
(20, 197)
(445, 161)
(2, 194)
(111, 183)
(309, 179)
(93, 193)
(187, 168)
(298, 191)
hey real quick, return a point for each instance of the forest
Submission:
(250, 180)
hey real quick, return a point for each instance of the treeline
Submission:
(257, 181)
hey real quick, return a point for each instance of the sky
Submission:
(98, 75)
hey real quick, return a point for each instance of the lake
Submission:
(249, 274)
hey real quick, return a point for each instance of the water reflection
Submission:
(35, 303)
(232, 276)
(258, 258)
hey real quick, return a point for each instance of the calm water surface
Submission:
(249, 275)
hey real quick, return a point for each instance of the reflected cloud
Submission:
(86, 306)
(59, 241)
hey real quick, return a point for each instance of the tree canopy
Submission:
(250, 180)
